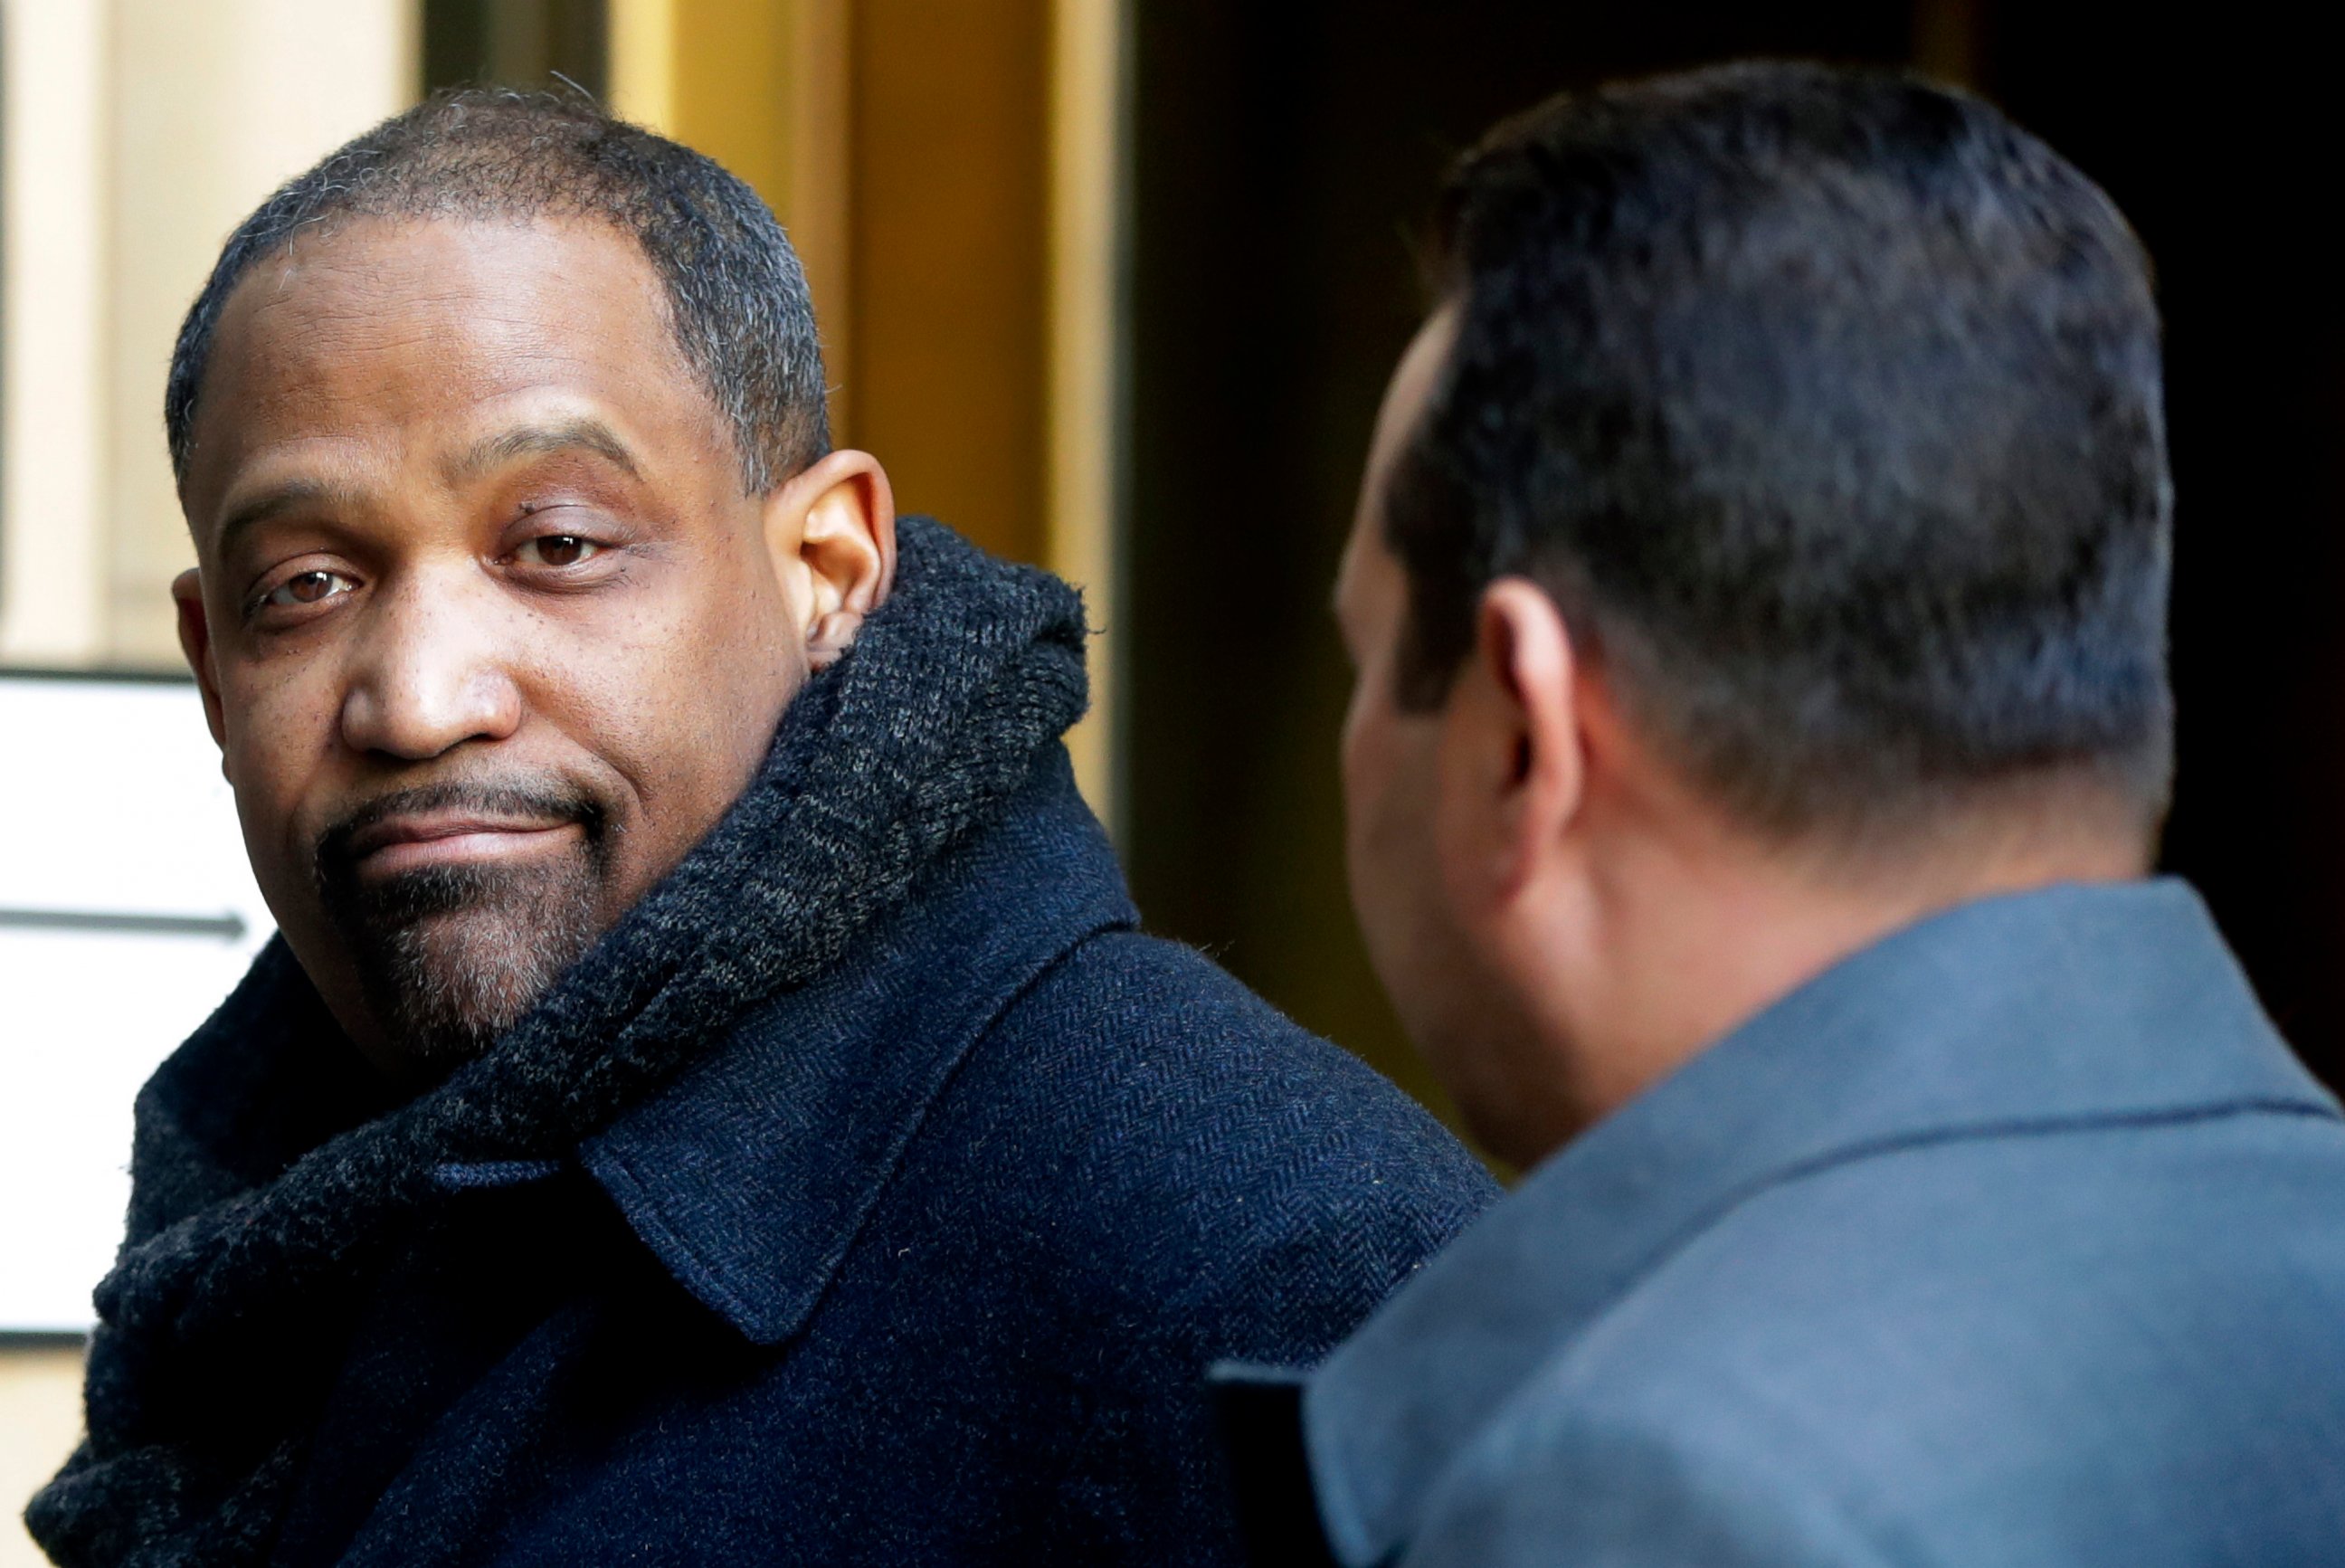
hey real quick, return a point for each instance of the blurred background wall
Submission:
(1113, 285)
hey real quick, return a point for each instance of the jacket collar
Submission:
(750, 1176)
(2075, 1003)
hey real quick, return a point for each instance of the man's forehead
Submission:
(408, 323)
(372, 265)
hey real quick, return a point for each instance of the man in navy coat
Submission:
(710, 1102)
(1760, 742)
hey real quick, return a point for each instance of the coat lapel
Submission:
(752, 1174)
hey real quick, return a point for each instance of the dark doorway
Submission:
(2215, 138)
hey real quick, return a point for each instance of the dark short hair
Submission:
(1826, 405)
(737, 295)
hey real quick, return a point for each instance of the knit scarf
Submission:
(246, 1233)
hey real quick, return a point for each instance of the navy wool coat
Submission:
(924, 1265)
(872, 1192)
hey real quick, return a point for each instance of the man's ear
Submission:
(196, 642)
(830, 532)
(1513, 768)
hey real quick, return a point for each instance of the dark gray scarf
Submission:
(254, 1219)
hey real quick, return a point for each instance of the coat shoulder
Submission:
(1198, 1068)
(1167, 1118)
(1964, 1352)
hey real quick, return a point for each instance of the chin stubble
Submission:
(449, 958)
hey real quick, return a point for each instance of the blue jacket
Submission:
(924, 1266)
(2018, 1238)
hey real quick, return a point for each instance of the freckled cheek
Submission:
(649, 700)
(1389, 794)
(1375, 832)
(281, 729)
(600, 690)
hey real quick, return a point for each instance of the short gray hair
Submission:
(737, 295)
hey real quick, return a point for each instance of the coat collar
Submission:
(2073, 1003)
(750, 1176)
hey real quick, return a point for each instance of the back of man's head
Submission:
(1827, 407)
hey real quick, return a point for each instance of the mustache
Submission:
(543, 799)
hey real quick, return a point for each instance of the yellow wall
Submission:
(948, 259)
(946, 170)
(903, 143)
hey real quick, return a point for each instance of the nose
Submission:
(428, 675)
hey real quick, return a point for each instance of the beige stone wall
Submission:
(138, 133)
(53, 69)
(40, 1420)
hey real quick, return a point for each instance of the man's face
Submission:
(488, 632)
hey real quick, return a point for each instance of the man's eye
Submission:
(558, 550)
(308, 589)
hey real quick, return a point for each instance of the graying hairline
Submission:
(334, 219)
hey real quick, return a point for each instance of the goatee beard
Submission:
(449, 958)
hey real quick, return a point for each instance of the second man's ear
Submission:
(831, 531)
(1512, 766)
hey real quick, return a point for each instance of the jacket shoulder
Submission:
(1181, 1125)
(1134, 1022)
(1964, 1351)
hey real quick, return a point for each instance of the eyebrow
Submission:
(291, 495)
(582, 434)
